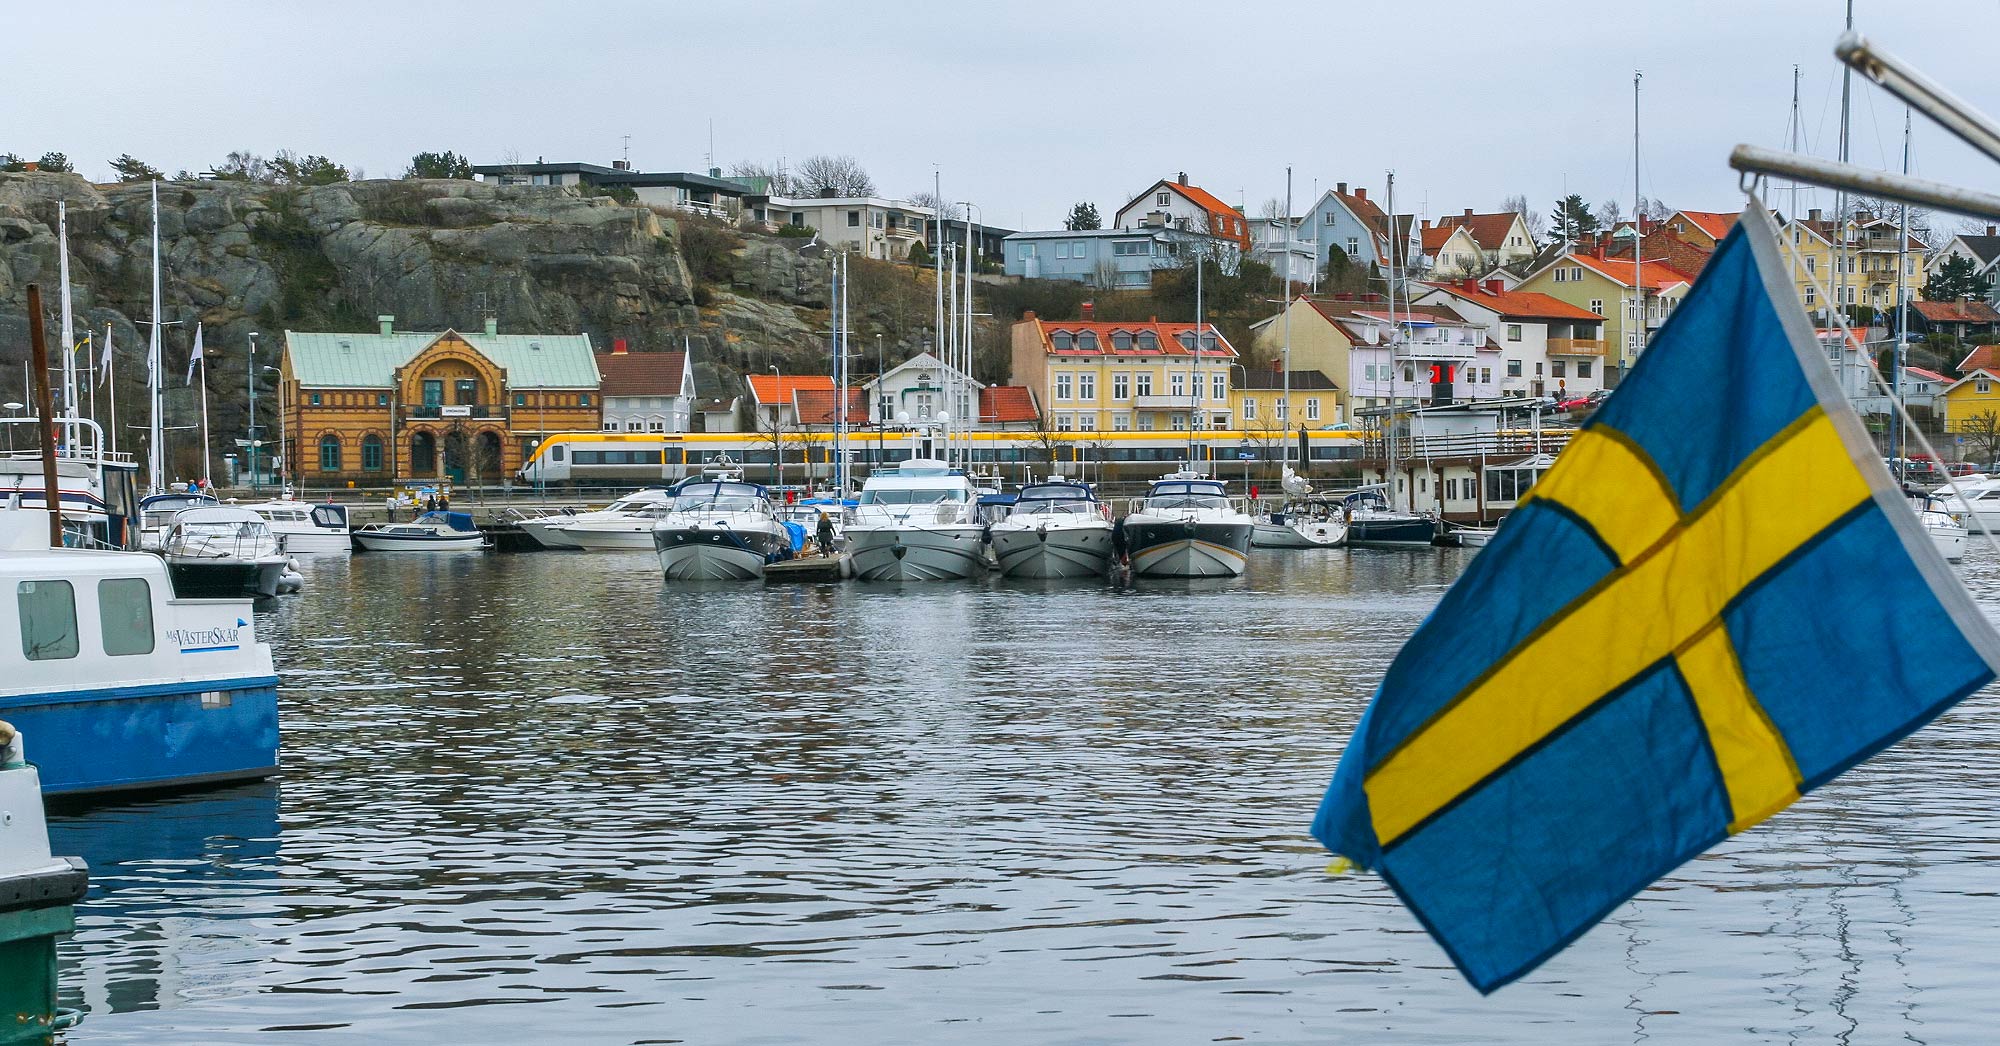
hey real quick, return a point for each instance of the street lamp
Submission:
(1244, 453)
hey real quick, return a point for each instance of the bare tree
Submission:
(1981, 435)
(1272, 210)
(942, 208)
(778, 181)
(788, 443)
(1046, 439)
(842, 175)
(1610, 213)
(1105, 276)
(1530, 217)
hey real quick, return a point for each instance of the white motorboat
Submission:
(626, 525)
(431, 532)
(222, 553)
(1188, 527)
(127, 684)
(1057, 528)
(157, 512)
(914, 522)
(718, 530)
(1945, 531)
(1974, 503)
(537, 524)
(306, 528)
(1300, 528)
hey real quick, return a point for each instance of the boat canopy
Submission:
(1208, 487)
(454, 520)
(225, 515)
(1052, 491)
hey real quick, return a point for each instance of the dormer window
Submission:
(1186, 339)
(1087, 341)
(1150, 342)
(1062, 340)
(1121, 340)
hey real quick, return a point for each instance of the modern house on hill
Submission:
(709, 194)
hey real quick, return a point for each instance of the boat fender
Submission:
(898, 550)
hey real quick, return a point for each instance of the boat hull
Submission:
(1393, 532)
(1176, 548)
(545, 535)
(409, 543)
(132, 738)
(1024, 551)
(940, 553)
(637, 539)
(316, 540)
(224, 579)
(715, 553)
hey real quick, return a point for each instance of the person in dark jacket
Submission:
(824, 534)
(1119, 551)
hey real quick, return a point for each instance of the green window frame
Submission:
(329, 453)
(371, 453)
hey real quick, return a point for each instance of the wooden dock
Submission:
(808, 569)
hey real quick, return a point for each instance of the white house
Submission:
(917, 387)
(877, 228)
(1277, 243)
(1547, 347)
(1178, 205)
(646, 391)
(1413, 355)
(1502, 236)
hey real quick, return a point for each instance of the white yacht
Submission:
(1975, 503)
(1373, 523)
(304, 527)
(914, 522)
(1188, 527)
(157, 512)
(1945, 531)
(223, 553)
(536, 523)
(1057, 528)
(128, 683)
(719, 530)
(431, 532)
(626, 525)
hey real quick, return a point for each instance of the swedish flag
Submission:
(1713, 603)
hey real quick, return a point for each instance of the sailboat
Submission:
(1371, 513)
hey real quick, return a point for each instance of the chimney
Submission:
(1427, 225)
(1372, 298)
(1812, 215)
(492, 324)
(1469, 285)
(1496, 286)
(1993, 230)
(1027, 315)
(1181, 178)
(618, 347)
(1089, 311)
(1344, 296)
(1864, 217)
(1341, 188)
(387, 324)
(1468, 212)
(1361, 193)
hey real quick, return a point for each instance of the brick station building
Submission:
(395, 406)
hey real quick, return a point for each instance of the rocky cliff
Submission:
(241, 257)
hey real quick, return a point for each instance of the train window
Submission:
(556, 452)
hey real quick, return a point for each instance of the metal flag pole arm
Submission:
(1900, 79)
(1774, 163)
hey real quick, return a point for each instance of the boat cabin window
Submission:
(1053, 500)
(125, 613)
(333, 516)
(1187, 499)
(48, 619)
(931, 496)
(718, 497)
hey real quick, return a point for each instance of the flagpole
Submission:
(111, 387)
(90, 349)
(155, 453)
(207, 461)
(68, 329)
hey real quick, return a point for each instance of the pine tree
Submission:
(1572, 219)
(1957, 278)
(1083, 216)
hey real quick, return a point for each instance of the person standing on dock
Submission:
(824, 534)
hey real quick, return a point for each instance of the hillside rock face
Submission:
(239, 257)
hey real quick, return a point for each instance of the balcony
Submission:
(1429, 349)
(448, 411)
(1576, 346)
(1182, 402)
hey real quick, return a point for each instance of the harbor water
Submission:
(542, 798)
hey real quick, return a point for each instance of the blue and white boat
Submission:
(1057, 528)
(431, 532)
(125, 685)
(1187, 527)
(1372, 523)
(719, 530)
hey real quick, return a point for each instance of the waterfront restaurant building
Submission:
(397, 406)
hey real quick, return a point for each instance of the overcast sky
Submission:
(1023, 107)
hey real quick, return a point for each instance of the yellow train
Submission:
(627, 459)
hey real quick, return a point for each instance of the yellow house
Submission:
(1262, 409)
(1604, 286)
(1124, 377)
(1971, 405)
(1808, 255)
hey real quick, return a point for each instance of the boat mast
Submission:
(1286, 453)
(1638, 230)
(1195, 412)
(68, 331)
(937, 275)
(155, 456)
(1395, 335)
(1902, 311)
(1843, 290)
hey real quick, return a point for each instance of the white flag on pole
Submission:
(104, 358)
(195, 356)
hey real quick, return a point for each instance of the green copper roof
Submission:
(369, 361)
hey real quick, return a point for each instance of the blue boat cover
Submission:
(454, 520)
(798, 533)
(1662, 646)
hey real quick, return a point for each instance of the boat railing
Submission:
(245, 543)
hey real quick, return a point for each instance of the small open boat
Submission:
(430, 532)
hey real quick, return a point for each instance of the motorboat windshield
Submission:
(1181, 495)
(638, 503)
(721, 497)
(914, 496)
(1046, 499)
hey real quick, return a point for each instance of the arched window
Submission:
(371, 453)
(329, 453)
